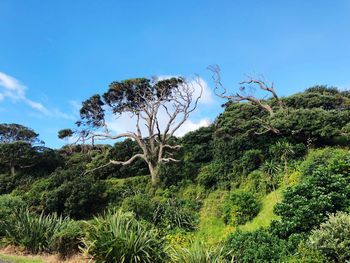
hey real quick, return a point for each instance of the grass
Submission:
(20, 259)
(266, 215)
(212, 228)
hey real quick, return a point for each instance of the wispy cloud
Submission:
(12, 88)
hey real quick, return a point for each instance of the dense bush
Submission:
(67, 192)
(141, 205)
(257, 246)
(67, 239)
(258, 182)
(119, 237)
(119, 189)
(332, 238)
(210, 175)
(173, 213)
(241, 207)
(8, 205)
(325, 189)
(32, 232)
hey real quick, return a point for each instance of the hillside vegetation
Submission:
(251, 187)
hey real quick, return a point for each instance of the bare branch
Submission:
(221, 91)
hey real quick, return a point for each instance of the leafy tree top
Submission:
(11, 132)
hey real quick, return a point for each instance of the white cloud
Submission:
(126, 123)
(12, 88)
(192, 126)
(197, 83)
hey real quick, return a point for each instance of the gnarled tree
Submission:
(159, 108)
(246, 93)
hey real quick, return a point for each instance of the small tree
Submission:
(161, 106)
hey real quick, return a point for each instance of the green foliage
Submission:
(67, 192)
(67, 239)
(250, 161)
(32, 232)
(17, 155)
(8, 204)
(258, 182)
(140, 204)
(197, 253)
(13, 132)
(210, 175)
(173, 213)
(241, 207)
(266, 214)
(257, 246)
(119, 189)
(118, 237)
(332, 238)
(305, 254)
(325, 189)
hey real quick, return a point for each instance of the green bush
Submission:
(257, 246)
(140, 205)
(332, 238)
(250, 161)
(305, 254)
(209, 175)
(32, 232)
(324, 189)
(257, 182)
(241, 207)
(326, 157)
(67, 239)
(173, 213)
(119, 237)
(8, 204)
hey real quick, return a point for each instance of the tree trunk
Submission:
(154, 175)
(13, 171)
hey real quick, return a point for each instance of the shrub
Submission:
(34, 233)
(8, 204)
(306, 205)
(66, 240)
(140, 205)
(257, 182)
(250, 161)
(119, 237)
(209, 175)
(305, 254)
(241, 207)
(257, 246)
(173, 213)
(326, 157)
(332, 238)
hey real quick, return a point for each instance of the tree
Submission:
(161, 106)
(246, 93)
(15, 132)
(16, 146)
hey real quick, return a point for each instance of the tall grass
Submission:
(197, 252)
(118, 237)
(32, 232)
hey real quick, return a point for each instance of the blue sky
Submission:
(54, 54)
